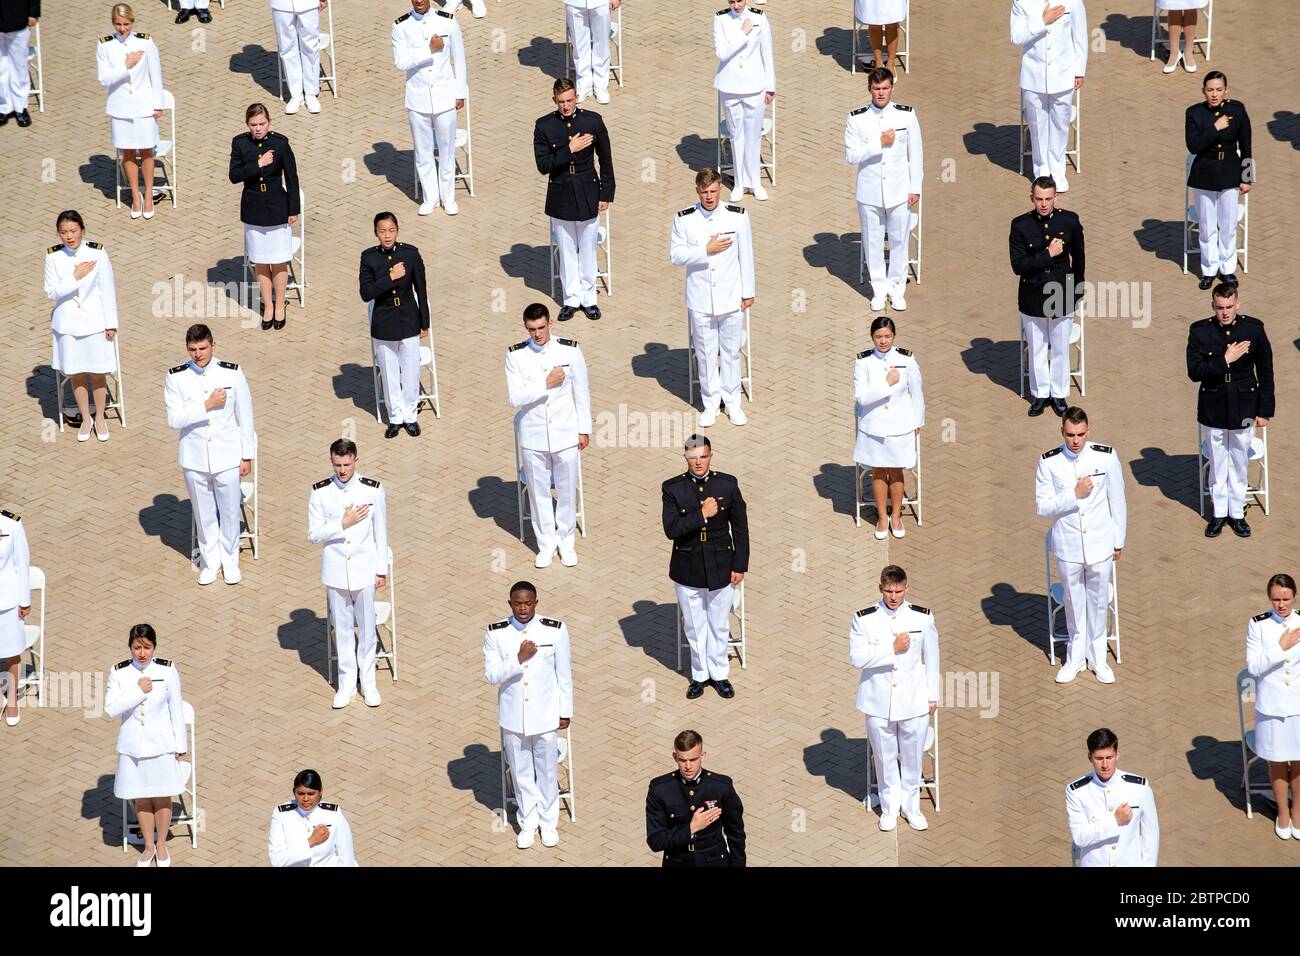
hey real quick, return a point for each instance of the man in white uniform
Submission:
(429, 48)
(1112, 814)
(1053, 38)
(1080, 486)
(348, 514)
(715, 245)
(297, 38)
(896, 644)
(884, 141)
(17, 18)
(746, 80)
(588, 25)
(546, 379)
(528, 659)
(209, 403)
(191, 7)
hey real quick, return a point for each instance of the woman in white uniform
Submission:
(1274, 662)
(308, 832)
(145, 692)
(882, 18)
(128, 66)
(1183, 15)
(890, 410)
(79, 281)
(746, 82)
(15, 604)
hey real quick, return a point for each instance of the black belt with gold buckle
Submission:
(572, 170)
(704, 535)
(261, 187)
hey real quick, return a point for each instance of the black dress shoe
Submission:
(266, 323)
(1206, 282)
(279, 323)
(24, 119)
(1239, 527)
(694, 689)
(183, 16)
(1230, 279)
(412, 429)
(591, 311)
(204, 16)
(392, 430)
(4, 119)
(565, 313)
(1036, 407)
(724, 689)
(1214, 527)
(1059, 406)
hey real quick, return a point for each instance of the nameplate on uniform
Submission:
(370, 481)
(444, 13)
(518, 345)
(1134, 778)
(550, 622)
(572, 343)
(229, 365)
(759, 12)
(684, 212)
(900, 106)
(404, 16)
(178, 368)
(94, 245)
(860, 109)
(286, 807)
(320, 484)
(54, 248)
(1104, 449)
(163, 661)
(1049, 454)
(1258, 617)
(864, 354)
(1080, 782)
(125, 663)
(497, 625)
(920, 610)
(327, 806)
(11, 516)
(907, 352)
(867, 610)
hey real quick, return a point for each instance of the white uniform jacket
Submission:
(154, 723)
(534, 695)
(895, 686)
(1084, 530)
(549, 419)
(886, 174)
(716, 283)
(295, 6)
(434, 81)
(132, 93)
(353, 556)
(1052, 55)
(1101, 841)
(884, 409)
(217, 440)
(81, 306)
(15, 563)
(1276, 672)
(744, 60)
(286, 841)
(587, 4)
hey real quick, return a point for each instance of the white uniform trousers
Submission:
(892, 741)
(15, 80)
(1216, 215)
(214, 499)
(297, 36)
(1049, 355)
(194, 4)
(1087, 596)
(717, 356)
(877, 221)
(437, 176)
(1229, 455)
(589, 31)
(551, 525)
(353, 616)
(744, 114)
(532, 759)
(399, 369)
(577, 244)
(707, 615)
(1048, 118)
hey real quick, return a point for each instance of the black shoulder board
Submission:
(444, 13)
(143, 36)
(163, 661)
(922, 610)
(1080, 782)
(373, 483)
(1054, 451)
(907, 352)
(739, 209)
(54, 248)
(684, 212)
(860, 109)
(286, 807)
(721, 13)
(229, 364)
(13, 517)
(550, 622)
(754, 11)
(900, 106)
(178, 368)
(331, 806)
(1104, 449)
(404, 16)
(497, 625)
(1258, 617)
(572, 343)
(320, 484)
(127, 662)
(865, 354)
(867, 610)
(106, 39)
(518, 345)
(1134, 778)
(95, 245)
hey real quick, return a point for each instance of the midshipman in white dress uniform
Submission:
(588, 24)
(291, 828)
(297, 40)
(152, 732)
(1111, 814)
(1053, 59)
(746, 78)
(888, 415)
(1276, 669)
(134, 93)
(84, 309)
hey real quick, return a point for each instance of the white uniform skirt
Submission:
(877, 12)
(134, 132)
(1181, 4)
(13, 637)
(885, 451)
(74, 354)
(140, 777)
(268, 245)
(1277, 738)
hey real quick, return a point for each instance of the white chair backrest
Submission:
(36, 578)
(188, 710)
(302, 203)
(169, 101)
(1245, 689)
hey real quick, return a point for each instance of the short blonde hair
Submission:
(123, 10)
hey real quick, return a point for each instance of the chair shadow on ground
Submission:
(1220, 761)
(304, 633)
(839, 255)
(356, 382)
(395, 165)
(652, 627)
(40, 386)
(1163, 237)
(544, 54)
(665, 365)
(531, 264)
(498, 500)
(1285, 128)
(840, 760)
(229, 273)
(999, 144)
(999, 362)
(834, 482)
(1023, 611)
(479, 771)
(99, 803)
(259, 64)
(1131, 33)
(168, 519)
(1174, 475)
(100, 172)
(696, 152)
(837, 43)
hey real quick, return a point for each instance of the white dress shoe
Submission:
(1067, 674)
(149, 214)
(101, 435)
(550, 838)
(145, 860)
(897, 532)
(13, 721)
(877, 303)
(164, 862)
(293, 106)
(1104, 674)
(736, 413)
(708, 417)
(544, 558)
(478, 8)
(1295, 832)
(1172, 63)
(1283, 833)
(136, 213)
(882, 535)
(1189, 63)
(569, 552)
(230, 572)
(737, 194)
(602, 97)
(313, 104)
(525, 839)
(760, 193)
(371, 696)
(85, 436)
(916, 820)
(208, 575)
(897, 301)
(888, 822)
(450, 208)
(342, 698)
(426, 208)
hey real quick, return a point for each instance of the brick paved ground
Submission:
(108, 522)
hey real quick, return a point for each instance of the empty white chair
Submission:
(736, 639)
(524, 504)
(929, 781)
(33, 675)
(1192, 224)
(911, 499)
(190, 816)
(464, 157)
(164, 169)
(385, 628)
(604, 258)
(1074, 138)
(1161, 30)
(297, 262)
(1078, 355)
(862, 41)
(746, 361)
(1056, 608)
(1246, 698)
(767, 151)
(36, 65)
(114, 395)
(428, 379)
(563, 770)
(1257, 462)
(249, 514)
(328, 74)
(615, 48)
(913, 247)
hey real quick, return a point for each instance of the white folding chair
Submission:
(297, 261)
(249, 514)
(1078, 355)
(189, 816)
(929, 781)
(1073, 138)
(1161, 30)
(524, 503)
(385, 629)
(1192, 224)
(1246, 695)
(736, 638)
(867, 58)
(746, 361)
(428, 379)
(36, 66)
(913, 247)
(862, 480)
(327, 52)
(464, 157)
(33, 675)
(563, 770)
(1256, 486)
(604, 259)
(165, 176)
(114, 395)
(1056, 607)
(726, 155)
(615, 48)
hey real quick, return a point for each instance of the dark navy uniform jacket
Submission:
(1230, 396)
(1047, 284)
(401, 308)
(705, 551)
(575, 186)
(1220, 155)
(270, 192)
(669, 805)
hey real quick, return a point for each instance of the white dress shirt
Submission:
(744, 59)
(132, 93)
(1276, 672)
(434, 81)
(1052, 55)
(895, 686)
(886, 174)
(534, 695)
(884, 410)
(1090, 809)
(217, 440)
(81, 306)
(15, 563)
(549, 419)
(715, 283)
(154, 723)
(355, 555)
(1085, 530)
(286, 842)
